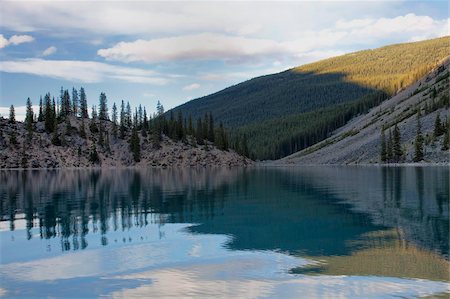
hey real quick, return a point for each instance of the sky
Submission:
(146, 51)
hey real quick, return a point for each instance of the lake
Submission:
(294, 232)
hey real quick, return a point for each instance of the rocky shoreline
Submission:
(40, 153)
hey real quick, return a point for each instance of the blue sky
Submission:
(175, 51)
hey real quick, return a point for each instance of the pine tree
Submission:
(418, 145)
(75, 102)
(128, 116)
(383, 154)
(66, 106)
(179, 126)
(438, 127)
(82, 129)
(55, 138)
(211, 128)
(199, 132)
(135, 146)
(244, 146)
(93, 125)
(190, 130)
(396, 147)
(48, 114)
(140, 117)
(103, 107)
(83, 104)
(145, 125)
(12, 137)
(12, 115)
(93, 155)
(221, 140)
(389, 150)
(446, 142)
(122, 120)
(29, 120)
(114, 120)
(41, 111)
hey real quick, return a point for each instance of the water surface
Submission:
(307, 232)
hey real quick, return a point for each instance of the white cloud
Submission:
(49, 51)
(191, 86)
(15, 40)
(81, 71)
(214, 46)
(203, 46)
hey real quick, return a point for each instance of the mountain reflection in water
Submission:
(323, 222)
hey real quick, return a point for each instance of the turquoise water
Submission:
(308, 232)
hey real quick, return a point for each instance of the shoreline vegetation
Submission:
(63, 135)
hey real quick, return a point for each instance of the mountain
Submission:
(359, 141)
(286, 112)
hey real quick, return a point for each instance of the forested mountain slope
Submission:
(288, 111)
(420, 112)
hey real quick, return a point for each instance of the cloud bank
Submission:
(215, 46)
(81, 71)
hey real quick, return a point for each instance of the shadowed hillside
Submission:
(302, 106)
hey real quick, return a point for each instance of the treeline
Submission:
(280, 137)
(391, 148)
(122, 123)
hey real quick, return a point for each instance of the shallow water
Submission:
(279, 232)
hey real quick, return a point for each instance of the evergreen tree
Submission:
(82, 129)
(221, 140)
(140, 116)
(156, 136)
(66, 106)
(55, 138)
(114, 120)
(179, 126)
(29, 120)
(12, 115)
(389, 148)
(135, 145)
(103, 107)
(145, 127)
(396, 146)
(383, 154)
(93, 125)
(438, 127)
(12, 137)
(41, 111)
(199, 132)
(49, 116)
(159, 109)
(446, 142)
(75, 102)
(190, 130)
(122, 120)
(211, 128)
(128, 116)
(244, 146)
(83, 104)
(93, 155)
(418, 145)
(205, 126)
(101, 140)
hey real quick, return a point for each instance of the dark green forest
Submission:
(282, 113)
